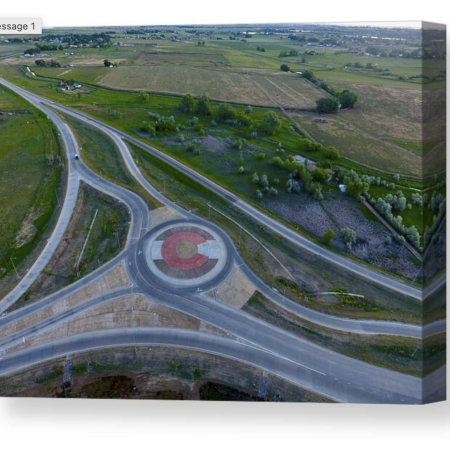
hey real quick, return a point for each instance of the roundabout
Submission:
(184, 255)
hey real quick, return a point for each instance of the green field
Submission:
(31, 166)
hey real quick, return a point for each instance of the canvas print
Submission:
(228, 212)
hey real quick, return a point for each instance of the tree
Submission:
(106, 63)
(271, 123)
(264, 181)
(308, 75)
(328, 237)
(328, 105)
(244, 119)
(285, 68)
(348, 237)
(331, 153)
(413, 236)
(416, 199)
(255, 178)
(355, 186)
(204, 107)
(187, 104)
(292, 186)
(320, 175)
(347, 98)
(225, 112)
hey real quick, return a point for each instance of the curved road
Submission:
(382, 386)
(258, 343)
(77, 171)
(343, 324)
(284, 231)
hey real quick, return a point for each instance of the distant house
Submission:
(300, 159)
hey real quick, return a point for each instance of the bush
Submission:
(225, 112)
(328, 237)
(264, 181)
(348, 237)
(285, 68)
(187, 104)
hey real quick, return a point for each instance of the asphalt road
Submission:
(326, 379)
(256, 342)
(350, 325)
(77, 171)
(363, 271)
(68, 205)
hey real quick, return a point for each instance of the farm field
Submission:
(359, 145)
(381, 136)
(247, 88)
(128, 111)
(30, 163)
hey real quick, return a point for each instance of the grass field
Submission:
(31, 166)
(107, 237)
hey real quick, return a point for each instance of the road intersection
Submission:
(251, 340)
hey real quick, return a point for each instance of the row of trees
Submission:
(338, 100)
(43, 63)
(386, 209)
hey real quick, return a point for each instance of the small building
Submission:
(300, 159)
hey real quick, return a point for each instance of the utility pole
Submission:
(15, 269)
